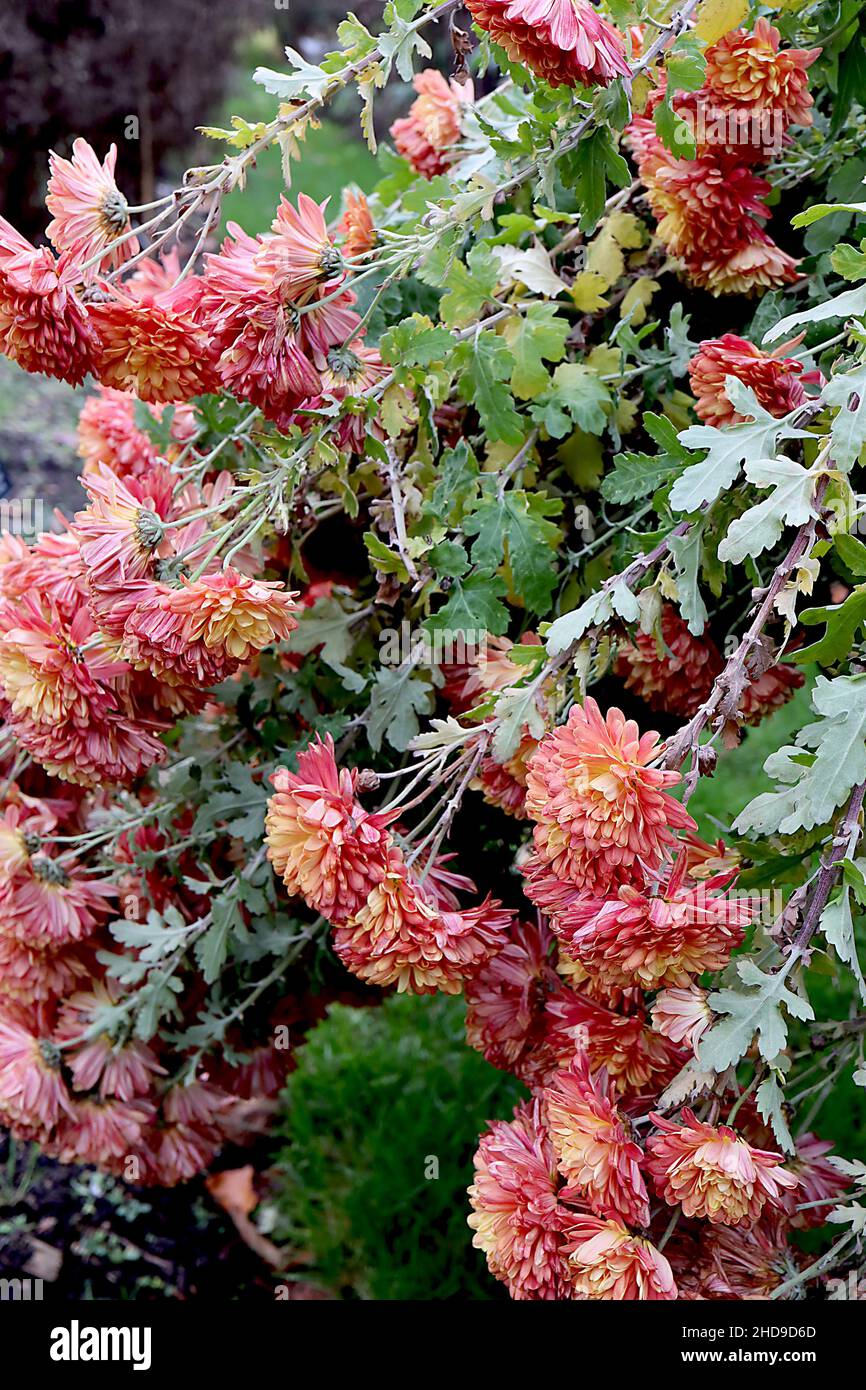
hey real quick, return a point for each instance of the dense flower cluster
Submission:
(170, 736)
(270, 320)
(711, 208)
(278, 312)
(396, 922)
(596, 1008)
(85, 1090)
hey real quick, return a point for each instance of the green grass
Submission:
(382, 1099)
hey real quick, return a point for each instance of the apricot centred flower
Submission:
(609, 1262)
(713, 1173)
(599, 807)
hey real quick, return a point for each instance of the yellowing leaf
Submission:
(636, 300)
(398, 410)
(605, 360)
(625, 415)
(588, 292)
(715, 18)
(604, 256)
(641, 88)
(627, 229)
(581, 453)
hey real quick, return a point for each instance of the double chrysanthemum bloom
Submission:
(598, 805)
(711, 208)
(567, 42)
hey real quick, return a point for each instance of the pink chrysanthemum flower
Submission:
(598, 1160)
(322, 843)
(30, 976)
(208, 628)
(356, 225)
(44, 327)
(608, 1262)
(154, 346)
(120, 536)
(49, 903)
(427, 135)
(108, 434)
(15, 831)
(516, 1215)
(33, 1094)
(256, 336)
(750, 71)
(564, 41)
(64, 700)
(88, 209)
(775, 379)
(637, 1060)
(300, 254)
(672, 672)
(599, 808)
(122, 1071)
(175, 1153)
(683, 1015)
(267, 366)
(188, 1135)
(713, 1173)
(411, 933)
(481, 670)
(328, 322)
(51, 567)
(544, 888)
(648, 938)
(506, 1005)
(105, 1133)
(591, 987)
(196, 1103)
(757, 265)
(705, 860)
(772, 689)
